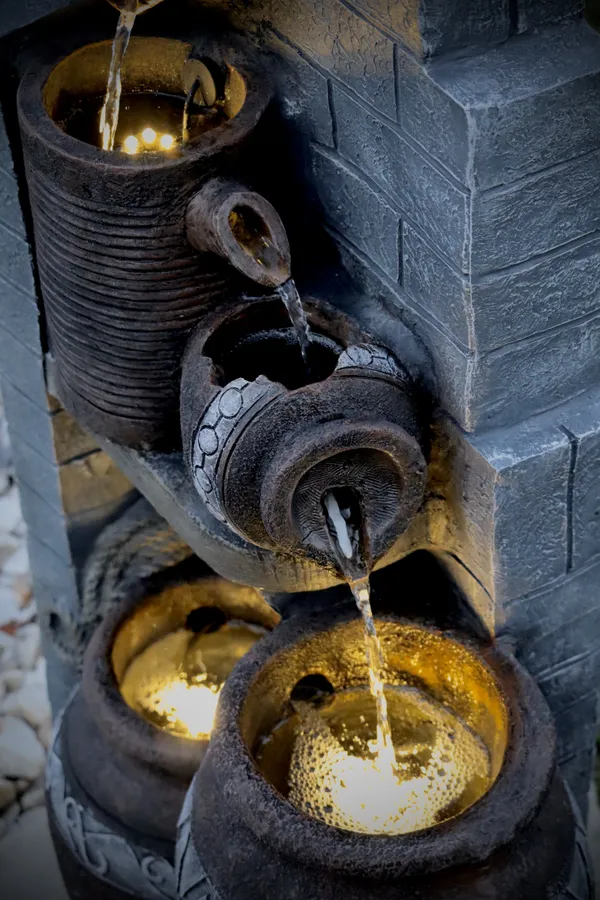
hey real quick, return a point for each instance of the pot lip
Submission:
(34, 117)
(487, 826)
(130, 732)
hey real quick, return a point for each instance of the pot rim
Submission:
(122, 726)
(471, 838)
(34, 117)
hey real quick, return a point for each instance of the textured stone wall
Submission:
(453, 152)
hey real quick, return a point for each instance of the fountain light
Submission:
(131, 145)
(167, 142)
(149, 136)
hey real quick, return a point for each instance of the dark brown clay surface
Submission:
(239, 838)
(122, 285)
(265, 438)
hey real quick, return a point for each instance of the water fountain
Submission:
(312, 447)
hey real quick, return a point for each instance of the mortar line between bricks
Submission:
(379, 26)
(13, 231)
(384, 119)
(20, 289)
(531, 262)
(533, 177)
(570, 493)
(546, 332)
(478, 581)
(332, 113)
(337, 158)
(556, 583)
(562, 667)
(402, 297)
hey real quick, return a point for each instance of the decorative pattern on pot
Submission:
(111, 857)
(266, 437)
(192, 881)
(133, 250)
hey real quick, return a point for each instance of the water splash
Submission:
(293, 303)
(109, 115)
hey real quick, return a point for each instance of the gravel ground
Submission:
(25, 722)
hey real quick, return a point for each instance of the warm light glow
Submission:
(149, 136)
(167, 141)
(131, 144)
(442, 767)
(190, 708)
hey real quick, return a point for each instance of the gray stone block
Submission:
(304, 94)
(432, 27)
(44, 522)
(23, 368)
(36, 472)
(530, 376)
(378, 298)
(536, 215)
(54, 573)
(28, 421)
(536, 296)
(436, 286)
(569, 605)
(512, 111)
(19, 314)
(581, 418)
(425, 197)
(342, 43)
(10, 208)
(355, 210)
(535, 13)
(15, 260)
(506, 494)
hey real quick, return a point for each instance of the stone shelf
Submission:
(163, 480)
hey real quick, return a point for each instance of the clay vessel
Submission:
(122, 284)
(266, 436)
(239, 837)
(116, 782)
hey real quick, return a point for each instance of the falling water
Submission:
(186, 110)
(349, 548)
(291, 298)
(109, 116)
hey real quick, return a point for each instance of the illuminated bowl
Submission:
(513, 832)
(117, 775)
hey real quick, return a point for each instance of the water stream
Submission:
(345, 537)
(293, 303)
(109, 116)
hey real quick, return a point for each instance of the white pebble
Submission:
(10, 607)
(21, 754)
(8, 793)
(28, 645)
(45, 733)
(12, 679)
(8, 652)
(10, 510)
(35, 796)
(30, 702)
(18, 562)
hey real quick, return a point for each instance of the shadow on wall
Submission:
(592, 13)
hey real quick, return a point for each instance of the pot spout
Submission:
(238, 224)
